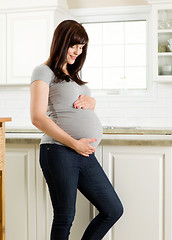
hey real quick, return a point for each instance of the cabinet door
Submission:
(2, 48)
(162, 51)
(141, 176)
(20, 192)
(29, 36)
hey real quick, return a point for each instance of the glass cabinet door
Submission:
(164, 33)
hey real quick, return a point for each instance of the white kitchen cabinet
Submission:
(29, 37)
(2, 48)
(25, 40)
(162, 32)
(142, 177)
(20, 192)
(28, 206)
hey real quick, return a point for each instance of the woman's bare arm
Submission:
(38, 108)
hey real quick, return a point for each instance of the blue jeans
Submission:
(66, 171)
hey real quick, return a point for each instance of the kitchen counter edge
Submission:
(108, 139)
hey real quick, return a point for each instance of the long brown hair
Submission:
(67, 34)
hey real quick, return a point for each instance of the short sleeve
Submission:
(42, 72)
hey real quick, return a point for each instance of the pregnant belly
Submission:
(81, 123)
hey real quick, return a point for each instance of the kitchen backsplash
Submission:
(15, 103)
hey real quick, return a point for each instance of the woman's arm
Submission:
(38, 108)
(85, 101)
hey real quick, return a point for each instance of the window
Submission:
(116, 56)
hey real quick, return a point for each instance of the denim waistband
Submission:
(55, 146)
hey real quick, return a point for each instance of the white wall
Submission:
(103, 3)
(13, 4)
(152, 113)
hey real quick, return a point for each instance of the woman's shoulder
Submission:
(42, 72)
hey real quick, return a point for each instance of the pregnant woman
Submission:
(62, 108)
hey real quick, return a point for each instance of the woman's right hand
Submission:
(83, 147)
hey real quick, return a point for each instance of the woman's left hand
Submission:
(85, 101)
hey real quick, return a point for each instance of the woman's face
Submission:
(73, 52)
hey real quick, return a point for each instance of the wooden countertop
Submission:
(5, 119)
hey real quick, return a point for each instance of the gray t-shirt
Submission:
(78, 123)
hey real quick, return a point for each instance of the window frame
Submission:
(126, 13)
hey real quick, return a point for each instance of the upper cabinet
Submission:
(25, 40)
(28, 42)
(162, 42)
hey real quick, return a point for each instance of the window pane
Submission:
(116, 50)
(94, 56)
(113, 56)
(135, 77)
(94, 31)
(112, 78)
(135, 32)
(93, 76)
(135, 55)
(113, 33)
